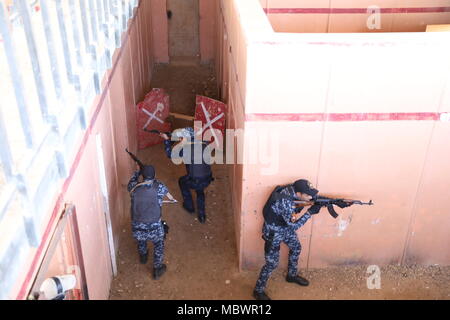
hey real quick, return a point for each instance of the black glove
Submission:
(314, 209)
(298, 210)
(342, 204)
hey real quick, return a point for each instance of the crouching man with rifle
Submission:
(146, 202)
(282, 218)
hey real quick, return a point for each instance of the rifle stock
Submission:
(158, 132)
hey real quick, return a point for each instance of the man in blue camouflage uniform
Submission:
(281, 221)
(146, 202)
(199, 174)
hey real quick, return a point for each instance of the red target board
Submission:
(151, 115)
(212, 114)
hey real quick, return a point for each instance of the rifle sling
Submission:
(147, 183)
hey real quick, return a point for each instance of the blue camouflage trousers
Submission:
(274, 236)
(199, 185)
(144, 232)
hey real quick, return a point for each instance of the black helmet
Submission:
(148, 172)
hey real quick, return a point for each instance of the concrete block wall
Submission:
(361, 116)
(325, 16)
(235, 25)
(207, 29)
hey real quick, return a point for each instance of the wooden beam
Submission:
(181, 116)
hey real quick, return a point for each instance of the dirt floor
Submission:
(202, 259)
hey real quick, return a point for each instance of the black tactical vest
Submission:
(271, 217)
(201, 170)
(146, 207)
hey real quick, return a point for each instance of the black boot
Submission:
(143, 258)
(188, 209)
(260, 295)
(298, 280)
(202, 218)
(158, 272)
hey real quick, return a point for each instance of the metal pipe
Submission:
(51, 48)
(29, 35)
(64, 41)
(16, 79)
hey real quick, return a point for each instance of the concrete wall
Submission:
(184, 34)
(112, 118)
(361, 116)
(233, 30)
(207, 26)
(160, 31)
(322, 16)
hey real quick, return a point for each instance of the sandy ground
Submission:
(202, 259)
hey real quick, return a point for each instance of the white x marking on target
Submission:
(152, 116)
(210, 122)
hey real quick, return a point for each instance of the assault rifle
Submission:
(139, 162)
(158, 132)
(329, 203)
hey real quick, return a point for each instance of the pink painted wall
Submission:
(160, 31)
(231, 70)
(207, 29)
(289, 84)
(112, 117)
(344, 17)
(126, 85)
(208, 21)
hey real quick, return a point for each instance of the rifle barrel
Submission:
(139, 162)
(370, 203)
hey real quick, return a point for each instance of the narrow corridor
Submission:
(202, 259)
